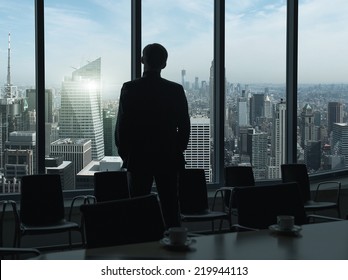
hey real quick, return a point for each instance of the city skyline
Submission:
(255, 40)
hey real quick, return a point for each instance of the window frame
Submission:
(219, 84)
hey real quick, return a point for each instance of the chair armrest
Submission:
(329, 219)
(239, 227)
(334, 185)
(221, 191)
(86, 199)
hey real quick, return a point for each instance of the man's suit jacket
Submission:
(153, 124)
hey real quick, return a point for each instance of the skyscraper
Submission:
(334, 115)
(109, 123)
(278, 141)
(78, 151)
(197, 154)
(340, 141)
(257, 107)
(307, 127)
(242, 107)
(259, 154)
(81, 112)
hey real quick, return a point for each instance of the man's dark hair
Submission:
(155, 55)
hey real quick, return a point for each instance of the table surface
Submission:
(319, 241)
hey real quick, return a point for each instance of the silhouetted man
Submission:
(152, 131)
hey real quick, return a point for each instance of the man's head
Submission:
(154, 57)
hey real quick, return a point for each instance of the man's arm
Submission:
(184, 125)
(121, 128)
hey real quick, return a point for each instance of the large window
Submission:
(185, 28)
(17, 78)
(322, 85)
(91, 47)
(87, 49)
(255, 86)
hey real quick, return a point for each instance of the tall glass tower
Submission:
(81, 112)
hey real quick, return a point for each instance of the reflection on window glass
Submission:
(17, 135)
(185, 28)
(87, 46)
(323, 85)
(255, 86)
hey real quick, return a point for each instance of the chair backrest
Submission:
(193, 195)
(124, 221)
(258, 207)
(41, 200)
(297, 172)
(110, 185)
(239, 176)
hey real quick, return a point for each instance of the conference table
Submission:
(316, 241)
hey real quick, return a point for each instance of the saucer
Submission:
(294, 230)
(166, 243)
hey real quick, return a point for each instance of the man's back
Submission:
(156, 124)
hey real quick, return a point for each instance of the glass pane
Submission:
(323, 85)
(17, 76)
(185, 28)
(87, 45)
(255, 85)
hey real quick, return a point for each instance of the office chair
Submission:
(110, 185)
(235, 176)
(258, 207)
(193, 199)
(124, 221)
(4, 204)
(11, 252)
(42, 208)
(296, 172)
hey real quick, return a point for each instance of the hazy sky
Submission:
(79, 31)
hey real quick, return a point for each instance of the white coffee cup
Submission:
(177, 235)
(285, 222)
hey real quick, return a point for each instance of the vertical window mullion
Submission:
(40, 85)
(291, 80)
(136, 39)
(219, 89)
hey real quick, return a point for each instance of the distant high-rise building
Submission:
(78, 151)
(257, 107)
(183, 74)
(243, 110)
(312, 155)
(307, 126)
(31, 101)
(259, 154)
(268, 107)
(244, 140)
(340, 141)
(196, 86)
(334, 115)
(25, 143)
(10, 91)
(278, 142)
(81, 112)
(56, 165)
(197, 154)
(317, 118)
(109, 123)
